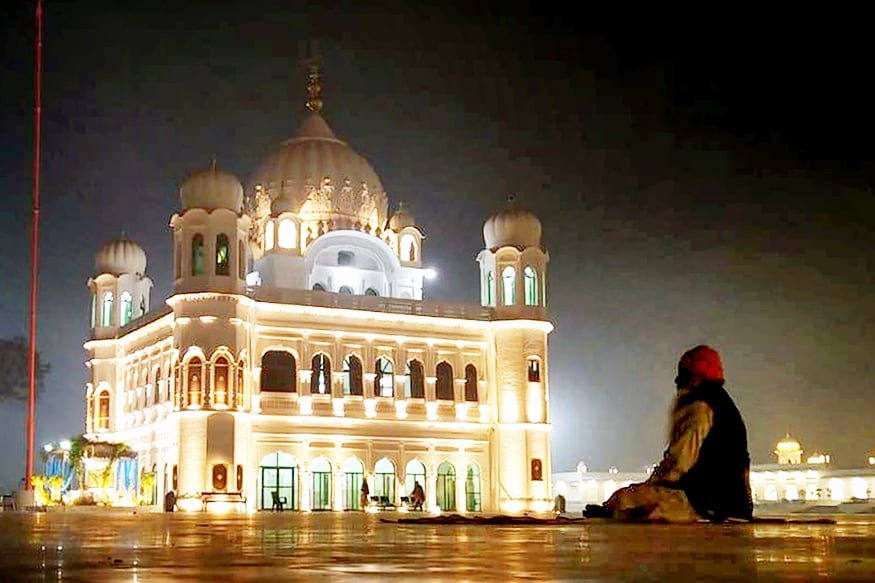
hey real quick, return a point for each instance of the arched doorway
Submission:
(279, 474)
(384, 480)
(446, 487)
(472, 489)
(353, 475)
(321, 470)
(415, 472)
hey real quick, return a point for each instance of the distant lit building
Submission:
(788, 481)
(297, 357)
(789, 451)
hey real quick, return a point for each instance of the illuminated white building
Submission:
(790, 481)
(297, 358)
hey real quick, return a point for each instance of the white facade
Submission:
(297, 357)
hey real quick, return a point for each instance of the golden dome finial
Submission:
(314, 89)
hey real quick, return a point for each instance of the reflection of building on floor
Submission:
(297, 358)
(790, 481)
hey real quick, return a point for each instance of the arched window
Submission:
(195, 381)
(220, 373)
(472, 489)
(197, 255)
(371, 292)
(352, 375)
(508, 285)
(278, 371)
(103, 410)
(318, 287)
(239, 386)
(268, 235)
(287, 234)
(446, 487)
(408, 247)
(415, 380)
(444, 387)
(106, 314)
(384, 381)
(470, 383)
(384, 479)
(530, 281)
(534, 370)
(346, 290)
(320, 379)
(223, 255)
(157, 392)
(241, 260)
(490, 285)
(127, 308)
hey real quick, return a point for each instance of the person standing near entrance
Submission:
(417, 496)
(705, 471)
(365, 491)
(169, 501)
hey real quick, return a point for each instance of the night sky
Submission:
(700, 178)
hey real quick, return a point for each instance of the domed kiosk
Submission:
(513, 264)
(120, 288)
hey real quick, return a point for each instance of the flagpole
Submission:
(34, 247)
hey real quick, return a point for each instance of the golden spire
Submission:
(314, 89)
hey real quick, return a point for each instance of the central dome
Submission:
(321, 178)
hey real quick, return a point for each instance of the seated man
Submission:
(705, 469)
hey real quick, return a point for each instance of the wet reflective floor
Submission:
(108, 546)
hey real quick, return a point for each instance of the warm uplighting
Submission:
(189, 504)
(872, 460)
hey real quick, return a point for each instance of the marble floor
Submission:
(113, 545)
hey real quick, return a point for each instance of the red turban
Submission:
(701, 363)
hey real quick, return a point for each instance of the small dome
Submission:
(283, 204)
(788, 445)
(401, 219)
(512, 227)
(121, 256)
(210, 189)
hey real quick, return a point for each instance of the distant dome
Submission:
(788, 445)
(320, 177)
(512, 227)
(401, 219)
(212, 188)
(121, 256)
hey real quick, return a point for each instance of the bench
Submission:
(234, 500)
(381, 502)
